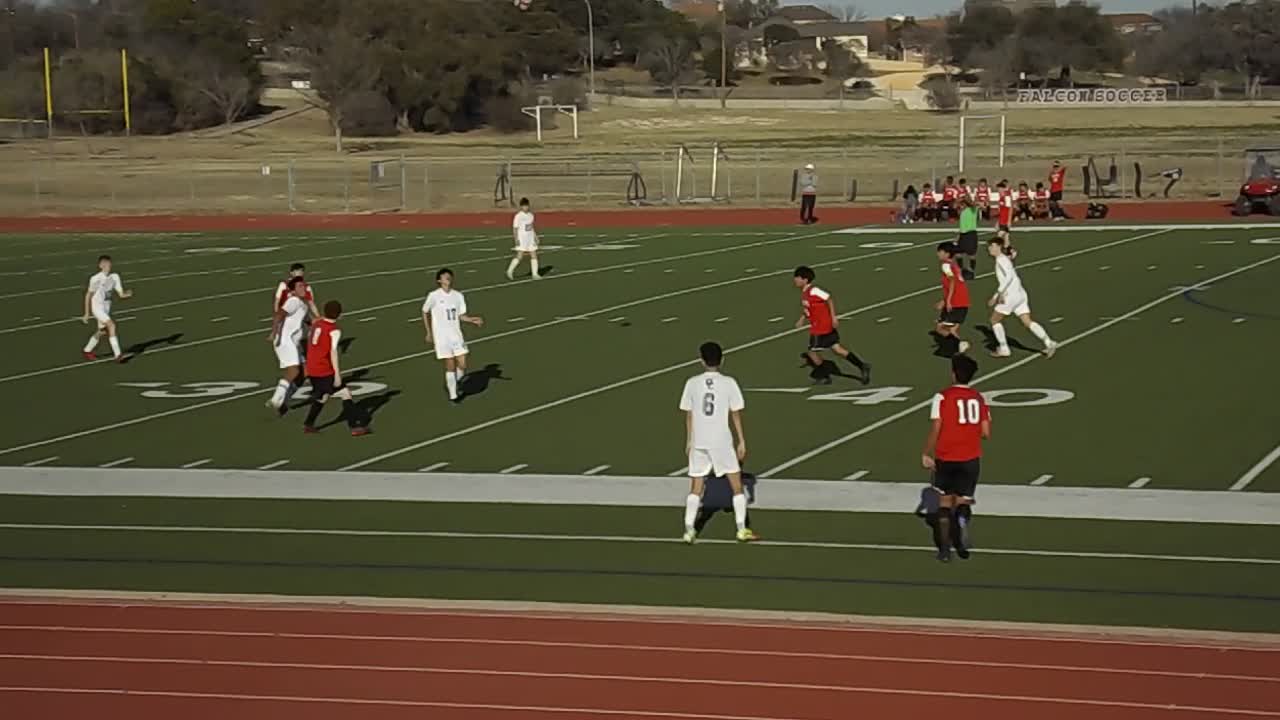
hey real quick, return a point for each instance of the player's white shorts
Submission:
(287, 352)
(1016, 305)
(450, 346)
(527, 244)
(718, 461)
(101, 313)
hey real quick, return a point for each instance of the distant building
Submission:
(1014, 6)
(804, 14)
(854, 36)
(1135, 23)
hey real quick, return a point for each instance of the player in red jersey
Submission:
(820, 314)
(953, 308)
(982, 196)
(961, 420)
(1004, 200)
(325, 374)
(296, 270)
(950, 193)
(1057, 184)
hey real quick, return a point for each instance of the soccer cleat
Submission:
(689, 537)
(866, 373)
(823, 380)
(309, 430)
(746, 535)
(1050, 349)
(121, 359)
(90, 356)
(964, 346)
(944, 556)
(358, 431)
(1001, 353)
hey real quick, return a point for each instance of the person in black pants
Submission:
(717, 497)
(808, 182)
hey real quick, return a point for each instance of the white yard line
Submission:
(1257, 469)
(1000, 371)
(273, 465)
(196, 463)
(596, 470)
(116, 463)
(858, 475)
(434, 466)
(744, 346)
(42, 461)
(620, 539)
(513, 469)
(1042, 480)
(682, 471)
(1140, 483)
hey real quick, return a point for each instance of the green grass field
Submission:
(1163, 383)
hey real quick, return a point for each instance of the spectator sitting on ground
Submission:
(948, 210)
(928, 211)
(1040, 202)
(964, 191)
(1022, 200)
(910, 205)
(982, 198)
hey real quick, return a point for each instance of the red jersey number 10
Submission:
(968, 411)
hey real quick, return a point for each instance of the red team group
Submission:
(307, 342)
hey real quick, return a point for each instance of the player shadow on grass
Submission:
(365, 408)
(990, 343)
(477, 382)
(137, 349)
(347, 379)
(828, 369)
(345, 343)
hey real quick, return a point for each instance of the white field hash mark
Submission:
(1257, 469)
(596, 470)
(1140, 483)
(196, 463)
(513, 469)
(273, 465)
(858, 475)
(116, 463)
(434, 466)
(1042, 480)
(42, 461)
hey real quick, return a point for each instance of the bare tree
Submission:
(844, 10)
(343, 65)
(670, 60)
(227, 89)
(997, 67)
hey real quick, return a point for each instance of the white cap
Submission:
(809, 166)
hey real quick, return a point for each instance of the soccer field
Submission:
(1163, 382)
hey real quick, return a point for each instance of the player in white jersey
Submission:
(443, 313)
(97, 305)
(711, 403)
(288, 330)
(526, 239)
(1011, 298)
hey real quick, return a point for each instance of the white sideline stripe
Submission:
(662, 371)
(858, 475)
(196, 463)
(1077, 228)
(433, 467)
(1050, 501)
(514, 468)
(557, 276)
(1140, 482)
(1257, 469)
(627, 647)
(615, 678)
(115, 463)
(679, 472)
(274, 465)
(623, 539)
(997, 373)
(596, 470)
(241, 268)
(410, 356)
(1042, 480)
(43, 461)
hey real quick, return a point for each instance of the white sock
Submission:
(451, 382)
(288, 393)
(1038, 330)
(115, 345)
(691, 505)
(515, 263)
(459, 373)
(740, 510)
(1001, 339)
(533, 267)
(93, 343)
(278, 397)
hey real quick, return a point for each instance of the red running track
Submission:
(62, 659)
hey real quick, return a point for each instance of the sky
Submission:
(929, 8)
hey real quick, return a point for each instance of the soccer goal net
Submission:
(981, 143)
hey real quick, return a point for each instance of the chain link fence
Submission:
(747, 175)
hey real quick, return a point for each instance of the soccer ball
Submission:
(522, 4)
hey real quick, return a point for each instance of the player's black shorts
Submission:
(1002, 228)
(321, 387)
(954, 316)
(1055, 196)
(824, 342)
(957, 478)
(969, 242)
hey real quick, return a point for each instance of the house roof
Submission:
(804, 14)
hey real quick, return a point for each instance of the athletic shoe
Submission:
(90, 357)
(746, 535)
(944, 556)
(1001, 353)
(121, 358)
(964, 346)
(358, 431)
(309, 430)
(866, 373)
(689, 537)
(1050, 349)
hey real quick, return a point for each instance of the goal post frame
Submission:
(535, 112)
(963, 122)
